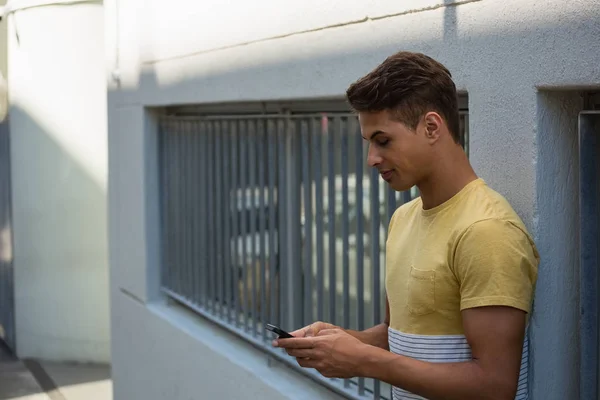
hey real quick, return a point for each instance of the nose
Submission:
(373, 157)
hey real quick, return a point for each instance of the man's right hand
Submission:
(313, 329)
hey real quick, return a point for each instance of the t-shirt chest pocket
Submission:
(421, 291)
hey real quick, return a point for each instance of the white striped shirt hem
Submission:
(444, 349)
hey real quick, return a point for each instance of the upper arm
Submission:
(495, 335)
(496, 267)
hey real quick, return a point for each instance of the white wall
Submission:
(500, 52)
(59, 173)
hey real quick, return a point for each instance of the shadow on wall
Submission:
(59, 224)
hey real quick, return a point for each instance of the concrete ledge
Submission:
(166, 352)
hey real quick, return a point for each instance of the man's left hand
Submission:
(333, 352)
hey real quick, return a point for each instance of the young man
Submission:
(461, 266)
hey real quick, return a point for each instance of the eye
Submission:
(383, 142)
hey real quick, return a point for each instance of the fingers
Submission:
(308, 363)
(301, 353)
(294, 343)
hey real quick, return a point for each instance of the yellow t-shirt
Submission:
(473, 250)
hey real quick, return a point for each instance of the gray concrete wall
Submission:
(500, 52)
(59, 179)
(555, 321)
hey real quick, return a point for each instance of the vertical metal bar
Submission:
(375, 249)
(253, 229)
(205, 215)
(375, 260)
(187, 243)
(170, 159)
(11, 275)
(182, 221)
(226, 221)
(218, 212)
(165, 191)
(589, 209)
(272, 168)
(189, 158)
(317, 141)
(464, 134)
(193, 209)
(198, 185)
(345, 231)
(206, 221)
(331, 192)
(181, 225)
(213, 217)
(345, 226)
(176, 268)
(406, 196)
(360, 248)
(467, 134)
(243, 209)
(391, 203)
(7, 279)
(283, 226)
(307, 192)
(199, 211)
(234, 201)
(261, 140)
(294, 178)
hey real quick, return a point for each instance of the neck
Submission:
(450, 175)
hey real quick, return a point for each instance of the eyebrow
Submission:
(373, 135)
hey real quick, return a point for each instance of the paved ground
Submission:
(16, 381)
(80, 381)
(32, 380)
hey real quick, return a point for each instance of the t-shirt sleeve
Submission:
(496, 264)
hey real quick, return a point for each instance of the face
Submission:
(402, 156)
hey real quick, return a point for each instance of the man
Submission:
(461, 266)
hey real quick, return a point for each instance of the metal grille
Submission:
(275, 219)
(7, 305)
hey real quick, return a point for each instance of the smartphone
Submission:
(275, 329)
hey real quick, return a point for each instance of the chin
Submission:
(399, 186)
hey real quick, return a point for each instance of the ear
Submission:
(433, 126)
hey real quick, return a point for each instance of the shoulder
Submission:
(486, 210)
(494, 229)
(492, 232)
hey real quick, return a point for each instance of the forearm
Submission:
(435, 381)
(376, 336)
